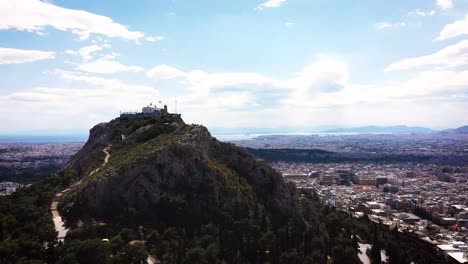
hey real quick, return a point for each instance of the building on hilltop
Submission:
(150, 110)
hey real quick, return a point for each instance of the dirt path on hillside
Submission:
(60, 227)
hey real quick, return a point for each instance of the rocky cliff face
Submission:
(161, 170)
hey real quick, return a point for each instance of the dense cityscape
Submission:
(24, 155)
(428, 200)
(24, 163)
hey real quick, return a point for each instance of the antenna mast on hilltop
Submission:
(176, 106)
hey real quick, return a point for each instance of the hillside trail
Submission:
(60, 227)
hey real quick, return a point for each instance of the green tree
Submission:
(134, 254)
(196, 255)
(127, 234)
(290, 257)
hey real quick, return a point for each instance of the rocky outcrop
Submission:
(164, 170)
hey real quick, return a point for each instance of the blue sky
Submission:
(68, 65)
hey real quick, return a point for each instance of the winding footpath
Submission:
(364, 258)
(363, 255)
(60, 227)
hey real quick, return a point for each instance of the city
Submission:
(427, 200)
(25, 163)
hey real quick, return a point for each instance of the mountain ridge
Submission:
(458, 130)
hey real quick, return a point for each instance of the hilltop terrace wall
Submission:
(135, 116)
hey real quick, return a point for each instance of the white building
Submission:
(151, 109)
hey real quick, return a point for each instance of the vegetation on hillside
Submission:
(208, 202)
(28, 236)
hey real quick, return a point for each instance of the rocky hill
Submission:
(458, 130)
(166, 172)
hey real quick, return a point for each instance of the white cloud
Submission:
(419, 88)
(104, 82)
(419, 12)
(388, 25)
(450, 56)
(16, 56)
(35, 16)
(323, 84)
(79, 106)
(154, 39)
(110, 56)
(289, 24)
(165, 72)
(354, 105)
(325, 76)
(445, 4)
(433, 84)
(201, 83)
(455, 29)
(86, 52)
(321, 93)
(228, 100)
(271, 4)
(107, 67)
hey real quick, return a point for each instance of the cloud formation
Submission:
(201, 83)
(165, 72)
(87, 51)
(17, 56)
(388, 25)
(107, 67)
(455, 29)
(419, 12)
(87, 101)
(271, 4)
(256, 90)
(451, 56)
(445, 4)
(322, 89)
(154, 39)
(35, 16)
(320, 92)
(289, 24)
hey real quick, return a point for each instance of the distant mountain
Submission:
(382, 129)
(459, 130)
(269, 130)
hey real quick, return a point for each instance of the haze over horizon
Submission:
(67, 65)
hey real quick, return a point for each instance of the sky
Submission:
(68, 64)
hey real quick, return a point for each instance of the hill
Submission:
(160, 173)
(459, 130)
(151, 158)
